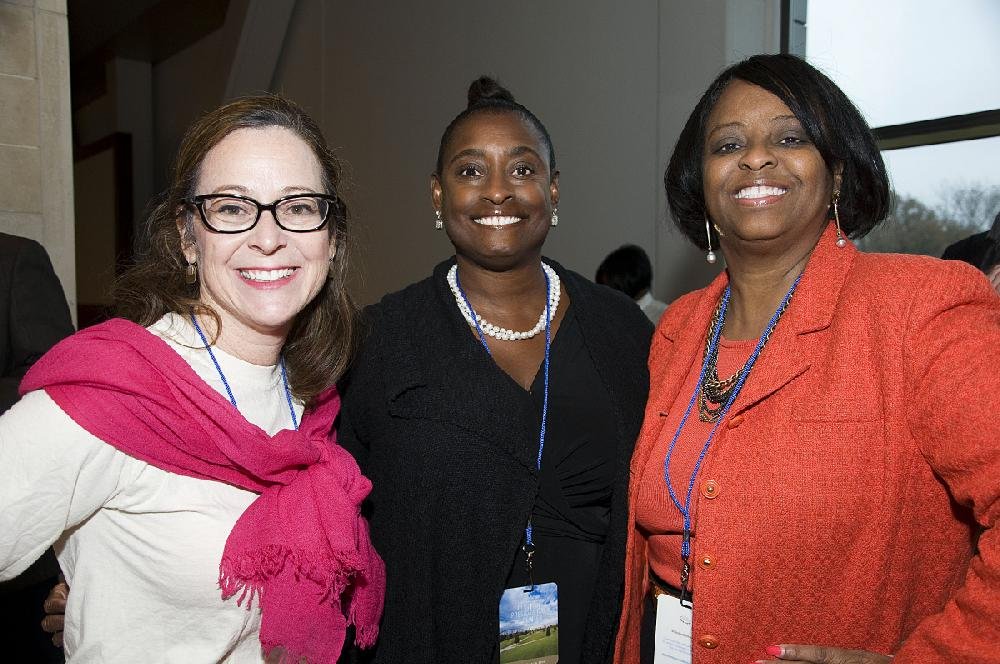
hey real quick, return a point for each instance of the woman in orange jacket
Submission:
(821, 445)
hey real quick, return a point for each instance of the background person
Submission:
(34, 316)
(981, 250)
(627, 269)
(188, 446)
(446, 411)
(811, 458)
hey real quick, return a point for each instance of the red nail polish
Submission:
(774, 651)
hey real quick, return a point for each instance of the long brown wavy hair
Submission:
(322, 339)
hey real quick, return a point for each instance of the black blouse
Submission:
(571, 512)
(450, 442)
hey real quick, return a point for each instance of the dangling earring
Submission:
(438, 223)
(191, 273)
(710, 256)
(841, 242)
(555, 216)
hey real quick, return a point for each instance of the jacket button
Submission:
(710, 489)
(706, 561)
(735, 421)
(708, 641)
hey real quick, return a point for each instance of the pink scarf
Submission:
(301, 547)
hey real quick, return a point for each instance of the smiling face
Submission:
(259, 280)
(765, 184)
(495, 192)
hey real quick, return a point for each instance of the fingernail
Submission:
(774, 651)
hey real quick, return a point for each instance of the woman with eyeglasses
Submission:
(187, 447)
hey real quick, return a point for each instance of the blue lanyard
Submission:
(529, 546)
(225, 383)
(685, 509)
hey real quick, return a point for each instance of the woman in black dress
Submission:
(475, 415)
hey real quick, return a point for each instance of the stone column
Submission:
(36, 155)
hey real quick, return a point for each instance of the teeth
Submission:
(497, 220)
(760, 191)
(266, 275)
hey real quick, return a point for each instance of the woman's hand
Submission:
(807, 654)
(55, 612)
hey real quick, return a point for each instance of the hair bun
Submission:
(485, 89)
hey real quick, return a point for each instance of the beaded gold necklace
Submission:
(713, 389)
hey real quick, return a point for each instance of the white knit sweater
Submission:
(140, 547)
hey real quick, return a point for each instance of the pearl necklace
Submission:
(503, 333)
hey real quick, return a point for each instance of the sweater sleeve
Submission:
(953, 367)
(55, 475)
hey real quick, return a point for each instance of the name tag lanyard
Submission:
(225, 383)
(529, 544)
(685, 508)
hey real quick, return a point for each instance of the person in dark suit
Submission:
(981, 250)
(33, 311)
(33, 317)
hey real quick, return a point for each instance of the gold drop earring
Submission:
(710, 256)
(841, 242)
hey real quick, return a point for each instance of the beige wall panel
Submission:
(22, 189)
(18, 110)
(25, 224)
(56, 6)
(56, 147)
(17, 40)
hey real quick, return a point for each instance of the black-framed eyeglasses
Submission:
(297, 213)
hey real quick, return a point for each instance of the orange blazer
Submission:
(853, 473)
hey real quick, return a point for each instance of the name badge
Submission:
(672, 643)
(529, 625)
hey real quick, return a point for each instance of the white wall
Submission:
(612, 81)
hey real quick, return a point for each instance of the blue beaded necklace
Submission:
(225, 383)
(529, 544)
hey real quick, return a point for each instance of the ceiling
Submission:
(148, 30)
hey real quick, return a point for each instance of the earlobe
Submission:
(554, 188)
(188, 246)
(436, 194)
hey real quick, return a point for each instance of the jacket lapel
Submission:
(789, 351)
(680, 343)
(687, 344)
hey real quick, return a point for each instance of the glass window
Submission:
(908, 61)
(943, 194)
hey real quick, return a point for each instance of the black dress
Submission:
(571, 512)
(450, 443)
